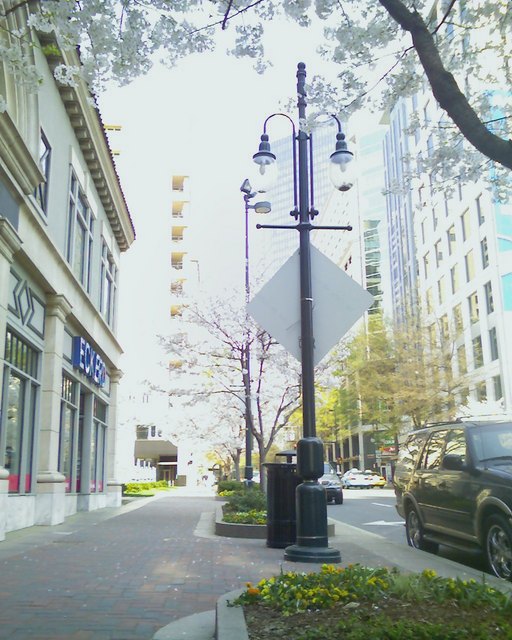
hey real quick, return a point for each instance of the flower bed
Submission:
(357, 603)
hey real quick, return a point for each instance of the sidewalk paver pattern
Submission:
(125, 577)
(123, 574)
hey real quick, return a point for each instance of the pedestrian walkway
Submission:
(123, 574)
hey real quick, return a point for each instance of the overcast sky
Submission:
(204, 119)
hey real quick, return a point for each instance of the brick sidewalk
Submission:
(123, 574)
(125, 577)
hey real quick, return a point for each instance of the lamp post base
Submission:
(321, 555)
(311, 544)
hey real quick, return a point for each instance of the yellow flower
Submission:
(429, 573)
(252, 591)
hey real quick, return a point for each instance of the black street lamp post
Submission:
(311, 505)
(259, 207)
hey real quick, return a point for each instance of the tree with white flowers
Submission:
(208, 376)
(385, 49)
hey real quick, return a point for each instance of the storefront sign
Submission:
(88, 361)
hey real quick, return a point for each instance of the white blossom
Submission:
(66, 75)
(120, 40)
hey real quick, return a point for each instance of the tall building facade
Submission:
(456, 246)
(64, 224)
(160, 451)
(185, 267)
(451, 240)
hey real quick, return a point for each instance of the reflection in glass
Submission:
(13, 431)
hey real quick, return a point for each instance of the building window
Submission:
(98, 446)
(473, 308)
(485, 253)
(430, 301)
(481, 391)
(498, 391)
(177, 263)
(432, 336)
(18, 415)
(465, 227)
(177, 287)
(454, 276)
(457, 318)
(68, 431)
(451, 239)
(470, 266)
(444, 327)
(426, 265)
(80, 234)
(441, 290)
(142, 432)
(461, 360)
(464, 396)
(479, 211)
(493, 344)
(488, 297)
(478, 355)
(430, 145)
(41, 192)
(439, 253)
(108, 294)
(434, 217)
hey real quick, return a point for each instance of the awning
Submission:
(155, 448)
(167, 464)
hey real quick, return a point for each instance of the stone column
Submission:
(114, 487)
(10, 243)
(50, 508)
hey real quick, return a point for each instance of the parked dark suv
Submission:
(453, 486)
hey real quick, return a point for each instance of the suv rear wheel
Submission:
(414, 533)
(498, 546)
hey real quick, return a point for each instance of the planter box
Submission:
(256, 531)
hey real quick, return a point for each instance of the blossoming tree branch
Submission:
(385, 49)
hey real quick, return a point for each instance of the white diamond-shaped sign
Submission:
(338, 301)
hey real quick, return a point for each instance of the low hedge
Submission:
(250, 499)
(140, 487)
(229, 485)
(246, 517)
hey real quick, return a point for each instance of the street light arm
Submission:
(294, 151)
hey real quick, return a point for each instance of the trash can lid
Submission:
(290, 452)
(287, 454)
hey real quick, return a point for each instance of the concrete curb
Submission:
(199, 626)
(230, 621)
(232, 530)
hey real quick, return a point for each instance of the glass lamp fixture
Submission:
(262, 207)
(265, 177)
(340, 168)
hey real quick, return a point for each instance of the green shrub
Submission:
(250, 499)
(135, 488)
(230, 485)
(246, 517)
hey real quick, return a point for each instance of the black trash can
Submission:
(282, 480)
